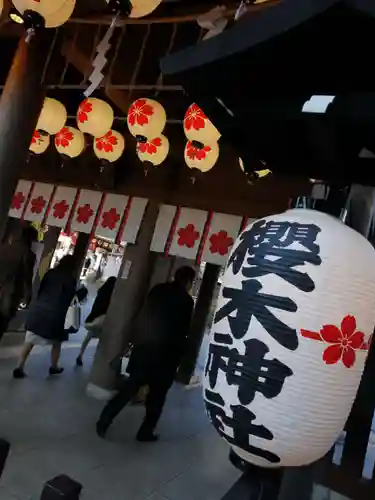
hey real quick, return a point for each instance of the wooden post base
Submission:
(61, 488)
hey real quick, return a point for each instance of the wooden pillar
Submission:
(199, 322)
(80, 251)
(49, 244)
(131, 288)
(20, 106)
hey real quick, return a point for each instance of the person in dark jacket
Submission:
(46, 317)
(17, 261)
(94, 321)
(161, 333)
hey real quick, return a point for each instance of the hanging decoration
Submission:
(95, 117)
(292, 350)
(52, 117)
(202, 159)
(198, 128)
(70, 142)
(109, 147)
(146, 119)
(39, 143)
(153, 151)
(255, 175)
(48, 13)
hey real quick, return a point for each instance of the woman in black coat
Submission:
(46, 317)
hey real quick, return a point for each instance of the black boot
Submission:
(101, 429)
(146, 435)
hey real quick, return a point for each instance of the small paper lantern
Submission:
(290, 337)
(256, 174)
(52, 117)
(141, 8)
(154, 151)
(110, 147)
(39, 143)
(199, 158)
(55, 13)
(198, 127)
(95, 117)
(146, 119)
(70, 142)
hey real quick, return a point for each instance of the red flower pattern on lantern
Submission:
(84, 214)
(37, 205)
(220, 243)
(84, 109)
(18, 200)
(150, 147)
(64, 138)
(195, 118)
(197, 153)
(345, 341)
(110, 219)
(36, 137)
(140, 112)
(60, 209)
(187, 236)
(107, 142)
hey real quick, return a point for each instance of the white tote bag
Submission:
(73, 317)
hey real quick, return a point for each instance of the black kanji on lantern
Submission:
(238, 428)
(271, 249)
(250, 371)
(248, 302)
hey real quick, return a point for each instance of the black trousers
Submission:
(159, 386)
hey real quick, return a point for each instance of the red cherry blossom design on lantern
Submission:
(110, 219)
(197, 153)
(17, 201)
(150, 147)
(64, 138)
(187, 236)
(107, 142)
(84, 109)
(60, 209)
(140, 112)
(36, 139)
(84, 213)
(345, 341)
(37, 205)
(220, 243)
(195, 118)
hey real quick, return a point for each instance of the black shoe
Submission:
(55, 371)
(101, 429)
(147, 437)
(79, 361)
(19, 373)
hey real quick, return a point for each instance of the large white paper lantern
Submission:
(141, 8)
(52, 117)
(198, 127)
(146, 119)
(39, 143)
(54, 12)
(290, 337)
(110, 147)
(70, 142)
(95, 117)
(256, 174)
(202, 159)
(154, 151)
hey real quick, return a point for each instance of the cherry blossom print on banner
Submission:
(86, 211)
(111, 216)
(19, 199)
(163, 228)
(134, 220)
(188, 233)
(61, 206)
(38, 202)
(221, 236)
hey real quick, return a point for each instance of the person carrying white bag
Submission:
(95, 320)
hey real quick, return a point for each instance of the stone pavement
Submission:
(50, 424)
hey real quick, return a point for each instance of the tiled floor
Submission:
(50, 423)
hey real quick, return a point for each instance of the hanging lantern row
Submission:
(48, 13)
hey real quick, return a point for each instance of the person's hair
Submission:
(185, 276)
(68, 263)
(109, 285)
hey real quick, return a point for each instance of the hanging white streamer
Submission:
(100, 60)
